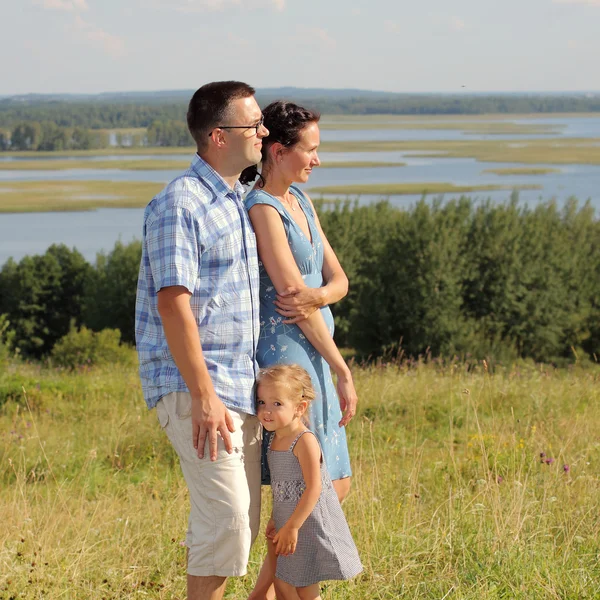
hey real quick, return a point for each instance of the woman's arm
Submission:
(298, 304)
(308, 452)
(278, 260)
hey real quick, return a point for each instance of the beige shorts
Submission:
(224, 494)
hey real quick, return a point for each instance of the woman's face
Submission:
(298, 161)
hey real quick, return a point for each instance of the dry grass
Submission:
(450, 497)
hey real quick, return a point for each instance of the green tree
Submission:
(41, 295)
(110, 294)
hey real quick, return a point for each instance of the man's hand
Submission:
(270, 529)
(348, 398)
(298, 304)
(285, 541)
(210, 417)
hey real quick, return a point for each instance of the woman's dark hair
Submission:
(285, 122)
(210, 105)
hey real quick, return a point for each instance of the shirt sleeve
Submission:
(172, 243)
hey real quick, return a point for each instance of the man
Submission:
(197, 323)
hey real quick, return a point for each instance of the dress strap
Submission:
(303, 200)
(298, 437)
(260, 197)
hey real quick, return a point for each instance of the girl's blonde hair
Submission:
(294, 376)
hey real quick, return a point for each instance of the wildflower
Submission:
(566, 468)
(549, 461)
(499, 479)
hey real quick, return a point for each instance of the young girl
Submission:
(308, 529)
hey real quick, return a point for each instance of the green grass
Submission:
(394, 189)
(521, 171)
(449, 497)
(48, 196)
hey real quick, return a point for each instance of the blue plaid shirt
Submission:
(198, 235)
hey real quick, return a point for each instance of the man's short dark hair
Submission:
(209, 106)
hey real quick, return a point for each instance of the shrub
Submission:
(85, 347)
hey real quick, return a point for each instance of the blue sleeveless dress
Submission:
(280, 343)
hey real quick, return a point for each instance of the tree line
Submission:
(142, 111)
(462, 278)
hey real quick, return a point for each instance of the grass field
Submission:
(467, 485)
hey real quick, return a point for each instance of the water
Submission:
(94, 231)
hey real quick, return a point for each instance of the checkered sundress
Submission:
(325, 548)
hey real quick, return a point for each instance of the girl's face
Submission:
(298, 161)
(277, 408)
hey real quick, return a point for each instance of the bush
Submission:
(6, 338)
(85, 347)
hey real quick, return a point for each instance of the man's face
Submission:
(244, 145)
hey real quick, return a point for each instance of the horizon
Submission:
(308, 89)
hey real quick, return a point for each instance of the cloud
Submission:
(588, 2)
(391, 26)
(355, 12)
(200, 6)
(457, 24)
(65, 5)
(314, 36)
(111, 44)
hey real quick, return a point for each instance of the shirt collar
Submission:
(204, 171)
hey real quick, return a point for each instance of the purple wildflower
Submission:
(566, 468)
(549, 461)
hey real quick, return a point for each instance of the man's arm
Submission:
(209, 414)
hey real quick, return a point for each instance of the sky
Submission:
(92, 46)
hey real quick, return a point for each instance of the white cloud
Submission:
(199, 6)
(457, 24)
(314, 36)
(111, 44)
(588, 2)
(65, 5)
(391, 26)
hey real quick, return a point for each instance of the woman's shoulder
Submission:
(255, 196)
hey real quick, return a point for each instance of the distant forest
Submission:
(37, 122)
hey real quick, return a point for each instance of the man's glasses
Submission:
(256, 127)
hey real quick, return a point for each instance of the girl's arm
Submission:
(278, 260)
(308, 452)
(307, 300)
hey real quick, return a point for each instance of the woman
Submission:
(300, 277)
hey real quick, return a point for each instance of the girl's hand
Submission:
(270, 529)
(348, 397)
(285, 541)
(298, 304)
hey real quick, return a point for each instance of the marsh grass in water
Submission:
(467, 127)
(151, 165)
(46, 196)
(392, 189)
(585, 151)
(467, 485)
(521, 171)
